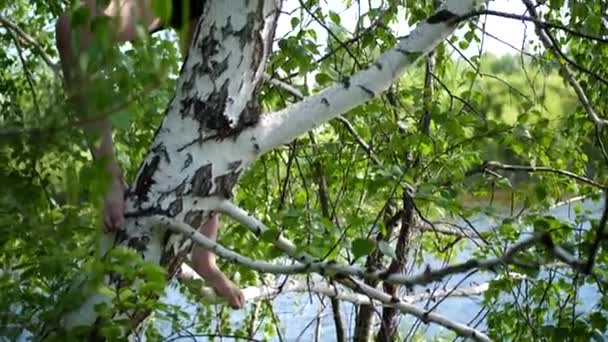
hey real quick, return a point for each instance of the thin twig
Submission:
(549, 43)
(332, 268)
(535, 20)
(494, 165)
(331, 33)
(31, 41)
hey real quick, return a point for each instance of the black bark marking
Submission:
(256, 146)
(175, 207)
(225, 183)
(249, 117)
(120, 236)
(185, 146)
(152, 211)
(188, 161)
(161, 150)
(194, 218)
(403, 52)
(325, 102)
(367, 91)
(140, 244)
(201, 181)
(346, 82)
(246, 34)
(218, 68)
(171, 261)
(378, 65)
(411, 55)
(443, 16)
(209, 46)
(258, 51)
(178, 191)
(146, 180)
(233, 166)
(227, 29)
(188, 84)
(210, 112)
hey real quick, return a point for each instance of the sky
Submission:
(509, 30)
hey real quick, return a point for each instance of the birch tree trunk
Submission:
(213, 128)
(200, 150)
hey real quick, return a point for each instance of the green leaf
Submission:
(295, 21)
(334, 17)
(270, 235)
(121, 120)
(362, 247)
(323, 79)
(598, 321)
(163, 9)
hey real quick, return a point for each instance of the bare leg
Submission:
(203, 262)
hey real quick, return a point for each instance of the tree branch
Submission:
(370, 296)
(421, 314)
(494, 165)
(548, 42)
(281, 127)
(600, 235)
(347, 124)
(31, 41)
(536, 21)
(319, 286)
(425, 277)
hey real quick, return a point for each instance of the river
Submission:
(298, 312)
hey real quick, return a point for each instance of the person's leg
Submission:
(126, 15)
(203, 262)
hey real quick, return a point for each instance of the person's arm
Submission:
(114, 205)
(99, 132)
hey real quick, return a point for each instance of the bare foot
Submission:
(225, 288)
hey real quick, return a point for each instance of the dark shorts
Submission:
(185, 11)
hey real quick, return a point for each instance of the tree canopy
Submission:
(456, 170)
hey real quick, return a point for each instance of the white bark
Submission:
(319, 286)
(282, 127)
